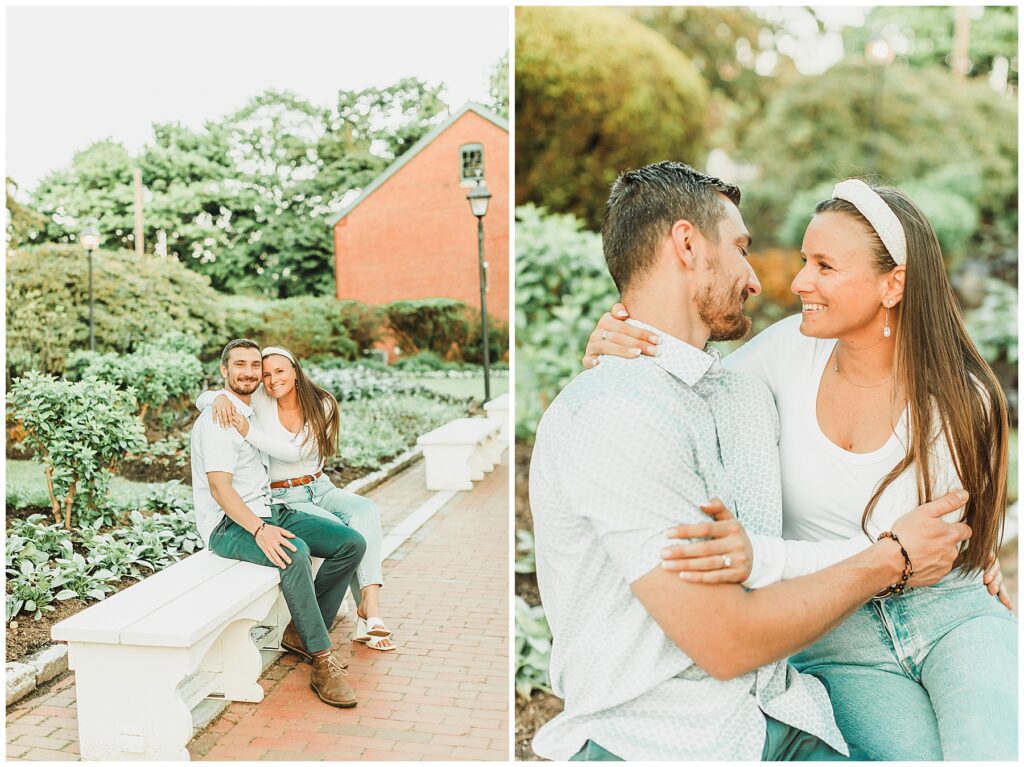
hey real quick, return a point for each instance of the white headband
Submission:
(278, 350)
(877, 212)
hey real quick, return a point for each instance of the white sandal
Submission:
(370, 628)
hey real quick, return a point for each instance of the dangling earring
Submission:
(886, 331)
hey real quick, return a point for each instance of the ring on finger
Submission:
(604, 335)
(726, 560)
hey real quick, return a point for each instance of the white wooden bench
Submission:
(460, 452)
(497, 409)
(132, 652)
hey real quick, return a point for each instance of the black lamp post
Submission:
(479, 198)
(880, 54)
(90, 239)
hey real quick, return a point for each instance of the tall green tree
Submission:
(598, 93)
(929, 30)
(24, 224)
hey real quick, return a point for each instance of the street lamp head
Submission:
(479, 198)
(90, 238)
(878, 51)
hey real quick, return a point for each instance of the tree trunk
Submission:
(67, 507)
(54, 503)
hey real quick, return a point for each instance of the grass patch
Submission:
(26, 486)
(464, 387)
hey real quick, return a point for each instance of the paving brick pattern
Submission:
(443, 694)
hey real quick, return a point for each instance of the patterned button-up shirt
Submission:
(625, 451)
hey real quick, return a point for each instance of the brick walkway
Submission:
(443, 694)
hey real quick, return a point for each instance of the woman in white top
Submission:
(296, 424)
(884, 403)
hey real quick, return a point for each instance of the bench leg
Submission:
(235, 658)
(448, 467)
(129, 706)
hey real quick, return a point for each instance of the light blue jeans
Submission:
(929, 675)
(322, 498)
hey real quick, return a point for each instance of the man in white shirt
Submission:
(235, 518)
(652, 667)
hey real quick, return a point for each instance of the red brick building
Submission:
(411, 233)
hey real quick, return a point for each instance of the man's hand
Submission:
(273, 541)
(705, 561)
(933, 545)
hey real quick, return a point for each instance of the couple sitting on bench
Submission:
(261, 496)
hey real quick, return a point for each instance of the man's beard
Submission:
(722, 312)
(242, 387)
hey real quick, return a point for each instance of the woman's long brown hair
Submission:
(322, 420)
(941, 371)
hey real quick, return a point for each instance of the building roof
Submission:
(415, 149)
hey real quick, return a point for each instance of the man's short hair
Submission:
(238, 343)
(646, 202)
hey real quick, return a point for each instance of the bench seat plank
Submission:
(184, 621)
(104, 621)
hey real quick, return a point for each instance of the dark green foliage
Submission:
(562, 288)
(136, 300)
(497, 339)
(432, 324)
(305, 325)
(598, 93)
(935, 131)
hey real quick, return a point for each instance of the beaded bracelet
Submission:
(265, 524)
(908, 569)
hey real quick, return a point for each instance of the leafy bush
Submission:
(422, 362)
(43, 566)
(373, 430)
(526, 557)
(992, 326)
(306, 325)
(361, 382)
(430, 324)
(533, 649)
(136, 298)
(562, 288)
(156, 375)
(79, 430)
(497, 339)
(598, 93)
(935, 134)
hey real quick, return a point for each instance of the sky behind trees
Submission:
(78, 75)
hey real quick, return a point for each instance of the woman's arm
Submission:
(286, 451)
(223, 410)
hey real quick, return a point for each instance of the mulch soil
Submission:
(541, 707)
(27, 635)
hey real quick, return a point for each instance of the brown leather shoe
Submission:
(328, 681)
(290, 640)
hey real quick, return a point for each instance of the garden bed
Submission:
(540, 707)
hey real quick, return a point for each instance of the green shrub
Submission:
(533, 649)
(79, 430)
(497, 339)
(562, 289)
(136, 299)
(430, 324)
(598, 93)
(155, 375)
(305, 325)
(935, 133)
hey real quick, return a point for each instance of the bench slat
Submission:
(459, 431)
(187, 619)
(104, 621)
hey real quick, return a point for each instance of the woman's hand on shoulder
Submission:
(223, 411)
(726, 557)
(615, 337)
(240, 423)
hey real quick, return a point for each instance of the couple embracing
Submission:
(261, 495)
(845, 611)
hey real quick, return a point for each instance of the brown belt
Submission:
(298, 481)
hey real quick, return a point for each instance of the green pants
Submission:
(782, 743)
(313, 603)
